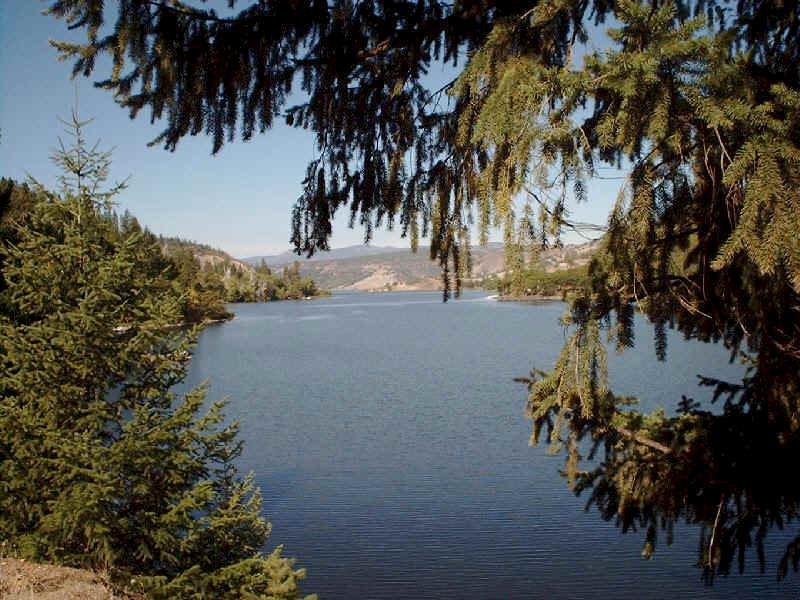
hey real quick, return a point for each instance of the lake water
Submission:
(391, 446)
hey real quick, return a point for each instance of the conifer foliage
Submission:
(101, 465)
(699, 98)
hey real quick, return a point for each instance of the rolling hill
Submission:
(369, 268)
(288, 257)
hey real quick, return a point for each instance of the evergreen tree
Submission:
(16, 200)
(101, 465)
(701, 98)
(521, 254)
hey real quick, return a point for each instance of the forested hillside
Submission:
(237, 280)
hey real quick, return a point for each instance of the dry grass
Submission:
(24, 580)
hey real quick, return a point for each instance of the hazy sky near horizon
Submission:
(239, 200)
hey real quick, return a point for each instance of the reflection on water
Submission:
(391, 444)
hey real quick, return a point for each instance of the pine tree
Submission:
(101, 465)
(15, 201)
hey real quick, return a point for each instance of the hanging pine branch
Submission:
(699, 98)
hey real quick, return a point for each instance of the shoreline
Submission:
(346, 290)
(530, 299)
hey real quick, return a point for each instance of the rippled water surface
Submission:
(392, 449)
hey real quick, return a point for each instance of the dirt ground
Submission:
(23, 580)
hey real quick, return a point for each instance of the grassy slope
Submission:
(410, 269)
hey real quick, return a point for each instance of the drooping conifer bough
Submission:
(698, 100)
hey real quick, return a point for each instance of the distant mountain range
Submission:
(371, 268)
(288, 257)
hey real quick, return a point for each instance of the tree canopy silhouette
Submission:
(700, 99)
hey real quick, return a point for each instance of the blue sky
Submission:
(239, 200)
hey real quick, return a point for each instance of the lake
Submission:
(391, 446)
